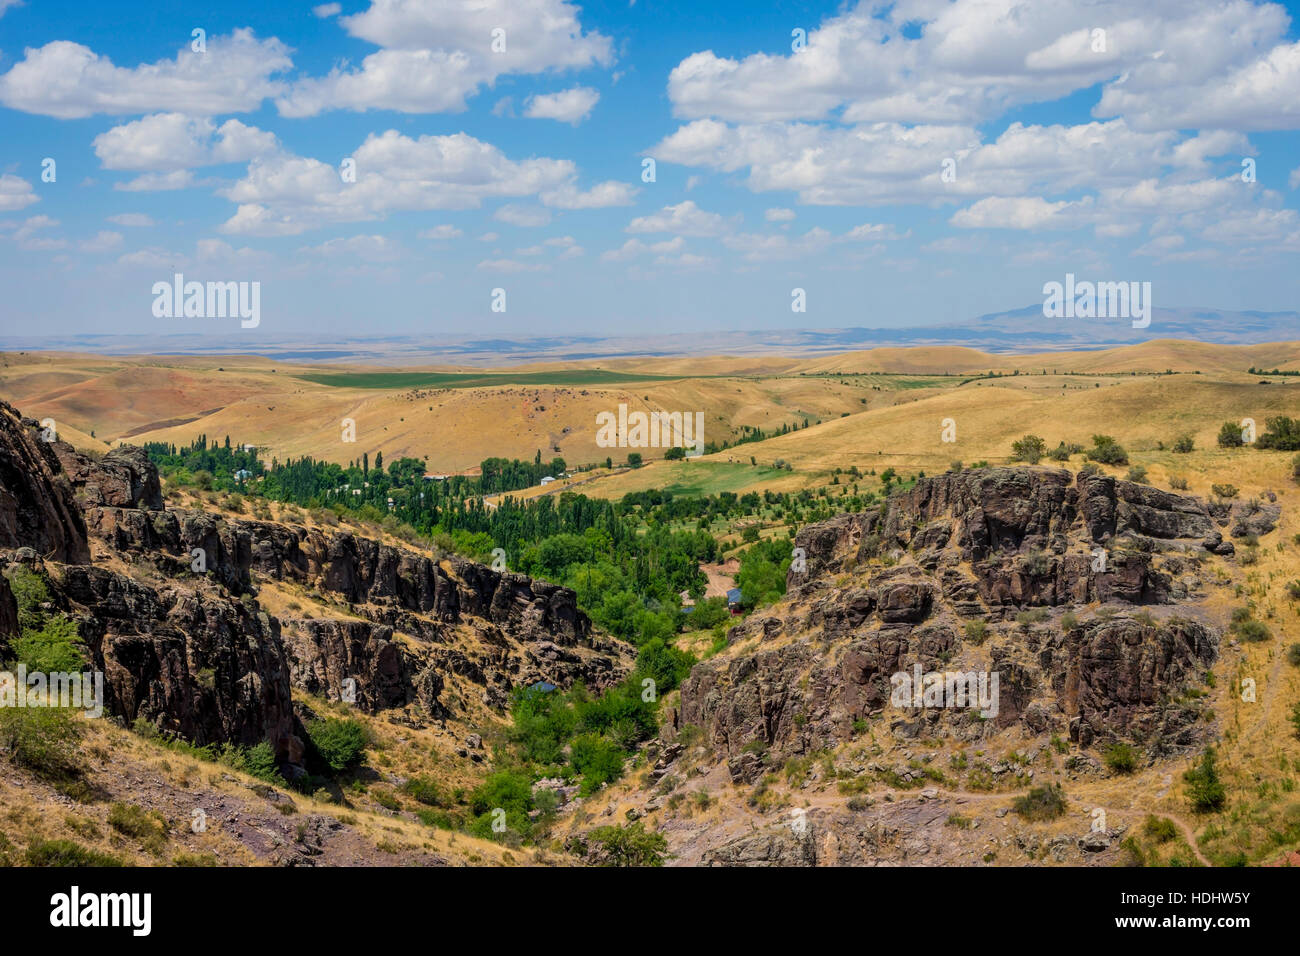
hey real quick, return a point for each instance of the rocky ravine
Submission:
(1081, 595)
(196, 654)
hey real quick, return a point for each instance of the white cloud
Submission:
(169, 141)
(441, 232)
(635, 247)
(371, 248)
(511, 265)
(523, 216)
(158, 182)
(6, 4)
(103, 241)
(684, 219)
(600, 196)
(285, 194)
(15, 193)
(131, 219)
(69, 81)
(434, 54)
(779, 215)
(567, 106)
(327, 10)
(1020, 212)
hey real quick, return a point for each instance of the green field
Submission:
(398, 380)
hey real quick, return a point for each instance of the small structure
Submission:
(547, 480)
(243, 475)
(734, 599)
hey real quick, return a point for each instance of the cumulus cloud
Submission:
(15, 193)
(285, 194)
(684, 219)
(435, 54)
(567, 106)
(169, 141)
(69, 81)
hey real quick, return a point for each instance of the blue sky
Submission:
(1115, 155)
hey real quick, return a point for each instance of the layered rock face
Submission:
(37, 507)
(972, 572)
(168, 607)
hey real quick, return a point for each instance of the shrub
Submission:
(1224, 491)
(1205, 790)
(1293, 655)
(1183, 445)
(426, 791)
(1107, 450)
(1295, 468)
(1041, 803)
(1121, 758)
(1029, 449)
(1230, 435)
(1137, 474)
(147, 826)
(1178, 483)
(339, 743)
(1159, 829)
(631, 845)
(1281, 433)
(42, 739)
(977, 632)
(67, 853)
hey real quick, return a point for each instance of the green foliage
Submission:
(1224, 491)
(977, 632)
(1184, 444)
(42, 739)
(1205, 790)
(763, 568)
(665, 664)
(1107, 450)
(1160, 829)
(1121, 758)
(1230, 435)
(1041, 803)
(340, 743)
(67, 853)
(149, 827)
(1137, 474)
(46, 642)
(631, 845)
(426, 791)
(1030, 449)
(1281, 433)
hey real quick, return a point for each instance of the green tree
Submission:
(1029, 449)
(1204, 788)
(631, 845)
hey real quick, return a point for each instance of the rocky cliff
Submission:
(1064, 588)
(167, 603)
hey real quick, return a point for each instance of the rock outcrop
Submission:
(973, 572)
(166, 602)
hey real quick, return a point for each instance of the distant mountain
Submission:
(1015, 331)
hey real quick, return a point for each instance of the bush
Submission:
(1204, 789)
(1178, 483)
(977, 632)
(1121, 758)
(1293, 655)
(1183, 445)
(631, 845)
(42, 739)
(1295, 468)
(1159, 829)
(1137, 474)
(1224, 491)
(67, 853)
(1230, 435)
(1107, 450)
(426, 791)
(1281, 433)
(1041, 803)
(339, 743)
(147, 826)
(1028, 449)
